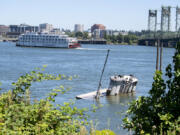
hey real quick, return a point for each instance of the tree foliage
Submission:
(19, 115)
(129, 39)
(158, 113)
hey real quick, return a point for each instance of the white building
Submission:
(78, 28)
(56, 31)
(45, 27)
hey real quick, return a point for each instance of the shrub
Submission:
(19, 115)
(158, 113)
(104, 132)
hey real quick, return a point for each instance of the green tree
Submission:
(120, 38)
(79, 34)
(19, 115)
(85, 35)
(158, 113)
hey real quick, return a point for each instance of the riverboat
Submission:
(47, 40)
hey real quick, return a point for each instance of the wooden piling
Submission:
(161, 53)
(157, 55)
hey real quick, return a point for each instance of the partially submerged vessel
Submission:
(122, 84)
(47, 40)
(119, 84)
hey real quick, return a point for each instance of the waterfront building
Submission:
(23, 28)
(16, 30)
(109, 32)
(98, 34)
(116, 33)
(97, 26)
(13, 28)
(12, 34)
(56, 31)
(4, 29)
(78, 28)
(45, 27)
(123, 33)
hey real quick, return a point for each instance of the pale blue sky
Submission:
(114, 14)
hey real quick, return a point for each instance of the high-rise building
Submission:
(78, 28)
(97, 26)
(45, 27)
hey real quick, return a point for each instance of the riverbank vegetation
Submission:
(111, 39)
(122, 39)
(19, 115)
(158, 113)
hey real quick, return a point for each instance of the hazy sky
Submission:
(114, 14)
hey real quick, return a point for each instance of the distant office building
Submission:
(97, 26)
(12, 34)
(56, 31)
(4, 29)
(109, 32)
(16, 30)
(124, 33)
(116, 33)
(45, 27)
(98, 33)
(102, 33)
(23, 28)
(78, 28)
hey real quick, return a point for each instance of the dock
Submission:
(93, 41)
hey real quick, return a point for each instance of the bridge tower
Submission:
(152, 20)
(165, 18)
(177, 19)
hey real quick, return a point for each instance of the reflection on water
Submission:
(121, 98)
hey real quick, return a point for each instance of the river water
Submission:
(87, 63)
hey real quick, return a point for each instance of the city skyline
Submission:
(120, 15)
